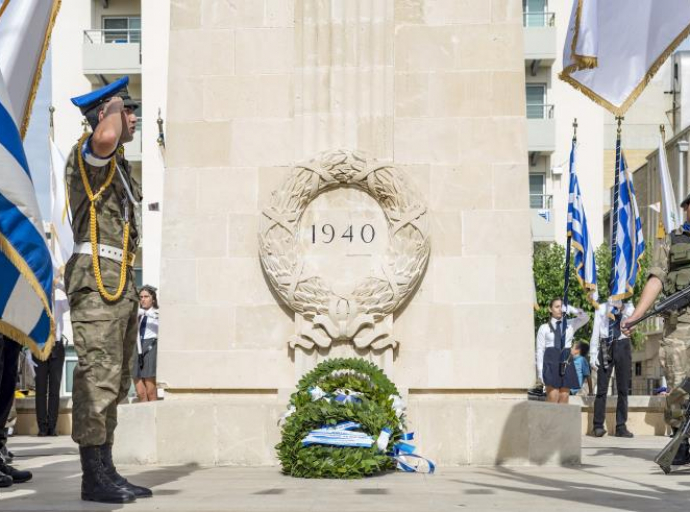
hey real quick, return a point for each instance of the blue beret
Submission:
(92, 99)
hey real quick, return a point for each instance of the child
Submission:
(579, 354)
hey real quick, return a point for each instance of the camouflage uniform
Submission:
(671, 265)
(104, 332)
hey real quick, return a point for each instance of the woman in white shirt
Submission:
(552, 350)
(144, 371)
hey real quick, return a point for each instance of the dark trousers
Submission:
(9, 365)
(621, 364)
(48, 377)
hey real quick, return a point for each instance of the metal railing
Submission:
(538, 19)
(113, 36)
(540, 201)
(539, 111)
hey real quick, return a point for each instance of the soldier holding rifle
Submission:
(670, 273)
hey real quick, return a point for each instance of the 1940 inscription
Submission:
(328, 233)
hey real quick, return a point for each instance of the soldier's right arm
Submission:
(106, 136)
(654, 286)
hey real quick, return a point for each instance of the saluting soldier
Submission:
(102, 295)
(670, 273)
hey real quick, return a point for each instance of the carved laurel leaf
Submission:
(408, 248)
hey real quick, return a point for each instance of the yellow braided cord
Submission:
(93, 225)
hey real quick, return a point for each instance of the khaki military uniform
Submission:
(671, 264)
(104, 332)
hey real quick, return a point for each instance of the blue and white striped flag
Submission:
(26, 272)
(629, 239)
(585, 266)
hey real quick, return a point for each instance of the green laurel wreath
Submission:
(374, 412)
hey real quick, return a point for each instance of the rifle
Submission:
(666, 456)
(673, 302)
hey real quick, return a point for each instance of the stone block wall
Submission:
(435, 87)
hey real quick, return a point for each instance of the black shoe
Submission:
(42, 433)
(5, 480)
(18, 476)
(110, 470)
(51, 432)
(623, 432)
(95, 484)
(599, 432)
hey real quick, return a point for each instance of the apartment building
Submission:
(552, 106)
(95, 42)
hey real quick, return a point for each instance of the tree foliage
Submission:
(548, 266)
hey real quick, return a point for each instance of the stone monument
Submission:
(347, 177)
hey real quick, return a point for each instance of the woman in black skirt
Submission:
(553, 350)
(144, 370)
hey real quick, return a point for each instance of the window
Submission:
(535, 13)
(70, 364)
(638, 369)
(537, 187)
(122, 30)
(536, 99)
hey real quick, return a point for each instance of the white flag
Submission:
(63, 239)
(60, 215)
(670, 215)
(614, 47)
(25, 28)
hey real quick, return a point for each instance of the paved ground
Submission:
(615, 475)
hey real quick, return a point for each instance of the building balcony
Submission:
(540, 39)
(541, 129)
(541, 207)
(133, 148)
(111, 54)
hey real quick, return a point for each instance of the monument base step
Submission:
(450, 429)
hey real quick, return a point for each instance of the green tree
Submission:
(549, 265)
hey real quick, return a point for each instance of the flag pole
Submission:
(569, 235)
(660, 231)
(614, 324)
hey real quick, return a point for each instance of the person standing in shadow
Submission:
(619, 353)
(48, 378)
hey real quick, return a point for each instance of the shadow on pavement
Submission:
(613, 492)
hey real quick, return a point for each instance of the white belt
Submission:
(105, 251)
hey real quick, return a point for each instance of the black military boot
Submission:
(5, 480)
(18, 476)
(110, 470)
(95, 484)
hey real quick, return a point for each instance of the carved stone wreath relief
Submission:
(362, 316)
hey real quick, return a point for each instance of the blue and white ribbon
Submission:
(402, 452)
(347, 396)
(342, 434)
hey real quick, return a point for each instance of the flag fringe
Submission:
(587, 61)
(38, 73)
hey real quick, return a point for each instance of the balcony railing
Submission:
(538, 19)
(112, 36)
(539, 111)
(540, 201)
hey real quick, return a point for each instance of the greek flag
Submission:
(629, 239)
(585, 266)
(26, 272)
